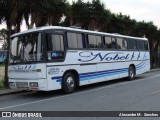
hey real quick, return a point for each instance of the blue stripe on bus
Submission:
(99, 74)
(142, 64)
(102, 72)
(59, 80)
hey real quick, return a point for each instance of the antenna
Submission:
(144, 36)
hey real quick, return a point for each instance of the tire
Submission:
(131, 73)
(69, 83)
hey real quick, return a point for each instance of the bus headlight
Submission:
(11, 84)
(33, 84)
(37, 70)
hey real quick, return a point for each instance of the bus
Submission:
(54, 57)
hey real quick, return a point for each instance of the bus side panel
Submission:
(95, 70)
(86, 73)
(148, 67)
(104, 71)
(143, 65)
(121, 69)
(55, 76)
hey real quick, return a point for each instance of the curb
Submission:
(11, 92)
(153, 70)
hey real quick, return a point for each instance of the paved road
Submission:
(141, 94)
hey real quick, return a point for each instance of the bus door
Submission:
(55, 57)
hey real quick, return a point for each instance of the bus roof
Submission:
(73, 29)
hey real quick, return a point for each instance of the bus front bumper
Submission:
(36, 85)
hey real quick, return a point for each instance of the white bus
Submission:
(53, 57)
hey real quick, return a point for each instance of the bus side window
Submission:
(75, 40)
(114, 44)
(94, 41)
(107, 42)
(121, 43)
(132, 44)
(146, 46)
(98, 42)
(55, 47)
(110, 42)
(140, 45)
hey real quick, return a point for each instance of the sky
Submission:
(147, 10)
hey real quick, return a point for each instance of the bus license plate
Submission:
(22, 84)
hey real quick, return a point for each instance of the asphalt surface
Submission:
(141, 94)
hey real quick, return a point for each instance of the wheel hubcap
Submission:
(131, 73)
(70, 82)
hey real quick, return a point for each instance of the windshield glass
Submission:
(26, 48)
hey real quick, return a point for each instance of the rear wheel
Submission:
(69, 83)
(131, 73)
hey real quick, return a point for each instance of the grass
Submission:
(1, 84)
(2, 68)
(2, 65)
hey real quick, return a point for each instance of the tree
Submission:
(80, 15)
(90, 15)
(45, 12)
(121, 24)
(5, 15)
(3, 34)
(100, 16)
(9, 13)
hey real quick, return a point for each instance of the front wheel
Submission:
(68, 83)
(131, 73)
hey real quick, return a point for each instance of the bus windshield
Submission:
(26, 48)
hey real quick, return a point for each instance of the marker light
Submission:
(33, 84)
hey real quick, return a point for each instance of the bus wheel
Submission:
(68, 83)
(131, 73)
